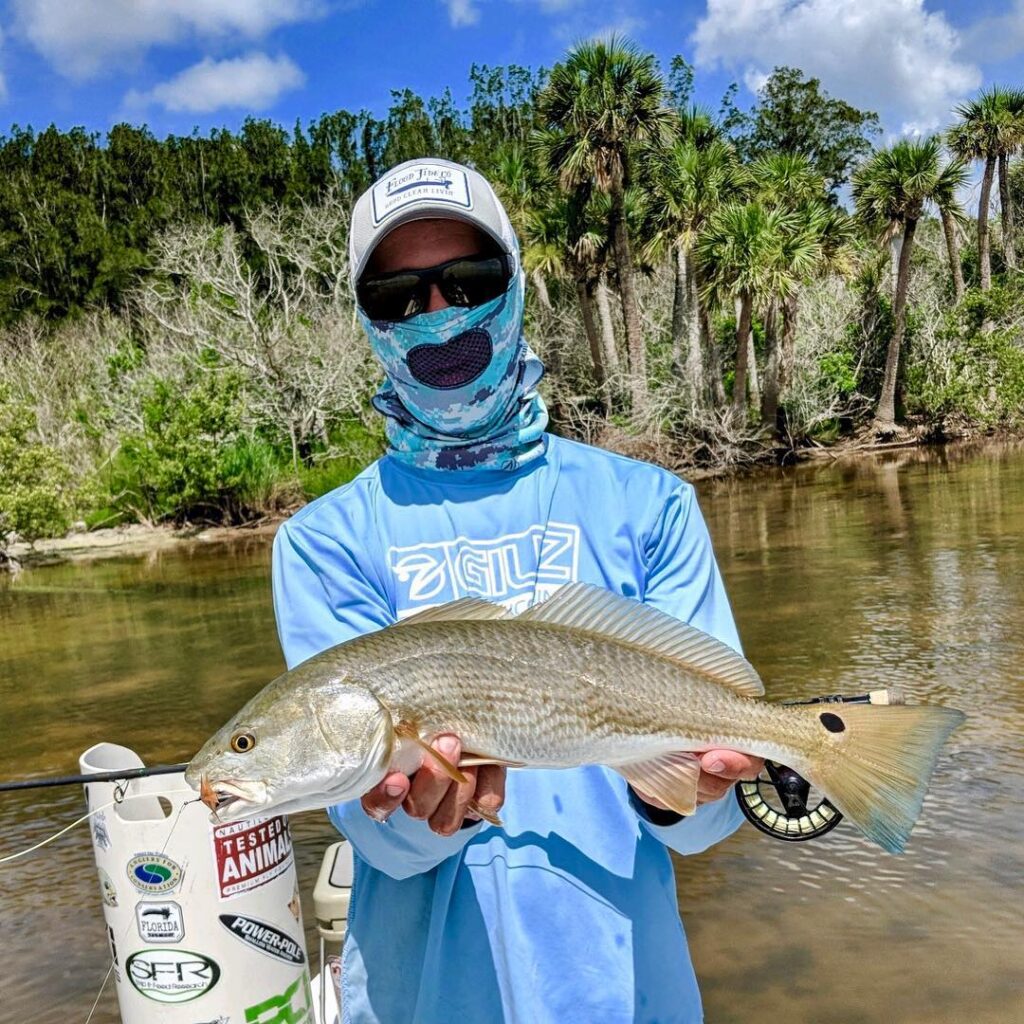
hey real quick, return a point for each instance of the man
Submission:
(568, 912)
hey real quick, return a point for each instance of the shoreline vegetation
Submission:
(136, 539)
(711, 291)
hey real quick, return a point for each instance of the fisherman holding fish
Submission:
(569, 912)
(486, 597)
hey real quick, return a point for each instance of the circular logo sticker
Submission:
(172, 975)
(153, 872)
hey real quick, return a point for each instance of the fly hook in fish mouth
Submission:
(215, 799)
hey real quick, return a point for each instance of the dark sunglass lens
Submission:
(473, 282)
(392, 298)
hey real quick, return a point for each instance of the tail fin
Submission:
(877, 763)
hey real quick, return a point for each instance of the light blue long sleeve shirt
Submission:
(568, 914)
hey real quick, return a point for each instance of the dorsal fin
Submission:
(464, 608)
(596, 610)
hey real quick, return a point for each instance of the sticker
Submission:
(264, 937)
(293, 1006)
(250, 853)
(172, 975)
(420, 183)
(159, 922)
(153, 872)
(100, 835)
(108, 890)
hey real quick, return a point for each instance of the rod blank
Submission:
(116, 776)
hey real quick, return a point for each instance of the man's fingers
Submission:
(431, 782)
(447, 819)
(730, 764)
(384, 799)
(490, 787)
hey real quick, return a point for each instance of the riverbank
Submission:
(139, 539)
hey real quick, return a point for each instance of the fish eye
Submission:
(243, 742)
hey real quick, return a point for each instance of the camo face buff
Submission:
(461, 385)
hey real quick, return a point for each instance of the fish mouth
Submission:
(230, 800)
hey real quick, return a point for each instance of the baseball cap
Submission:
(419, 190)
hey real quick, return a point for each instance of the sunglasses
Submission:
(466, 281)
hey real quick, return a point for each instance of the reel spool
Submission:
(780, 802)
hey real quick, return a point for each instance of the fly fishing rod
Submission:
(121, 775)
(779, 803)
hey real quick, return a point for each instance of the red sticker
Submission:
(250, 853)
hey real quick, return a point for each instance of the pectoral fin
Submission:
(671, 778)
(408, 731)
(470, 760)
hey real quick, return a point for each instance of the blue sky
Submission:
(182, 64)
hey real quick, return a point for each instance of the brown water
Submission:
(907, 571)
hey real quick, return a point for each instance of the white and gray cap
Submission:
(420, 190)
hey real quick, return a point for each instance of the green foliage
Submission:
(982, 384)
(795, 115)
(839, 370)
(36, 496)
(188, 459)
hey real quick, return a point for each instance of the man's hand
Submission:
(430, 794)
(719, 770)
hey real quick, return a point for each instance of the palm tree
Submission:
(890, 191)
(1012, 140)
(742, 254)
(598, 106)
(953, 179)
(986, 129)
(689, 184)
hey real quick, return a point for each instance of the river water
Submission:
(904, 570)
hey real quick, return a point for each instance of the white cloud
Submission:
(462, 12)
(82, 38)
(891, 56)
(253, 82)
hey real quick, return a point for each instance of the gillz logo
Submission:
(264, 937)
(513, 570)
(153, 872)
(159, 922)
(293, 1006)
(172, 975)
(250, 853)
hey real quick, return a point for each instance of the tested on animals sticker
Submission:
(250, 853)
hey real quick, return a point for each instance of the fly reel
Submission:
(781, 803)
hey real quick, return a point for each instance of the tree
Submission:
(743, 255)
(795, 115)
(890, 192)
(691, 182)
(986, 130)
(953, 179)
(598, 106)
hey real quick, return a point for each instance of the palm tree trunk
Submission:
(1006, 206)
(739, 385)
(790, 308)
(953, 252)
(584, 293)
(984, 254)
(772, 367)
(541, 287)
(885, 416)
(694, 347)
(608, 344)
(715, 387)
(680, 297)
(627, 291)
(753, 383)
